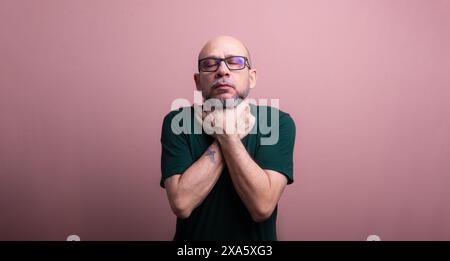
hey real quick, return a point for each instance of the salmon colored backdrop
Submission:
(84, 86)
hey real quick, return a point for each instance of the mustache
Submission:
(222, 81)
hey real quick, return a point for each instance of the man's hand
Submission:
(234, 122)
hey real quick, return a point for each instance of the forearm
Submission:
(250, 181)
(191, 188)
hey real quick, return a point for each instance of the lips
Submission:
(223, 89)
(223, 86)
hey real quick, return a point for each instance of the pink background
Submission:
(84, 86)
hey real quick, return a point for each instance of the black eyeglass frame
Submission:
(219, 61)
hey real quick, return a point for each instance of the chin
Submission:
(228, 101)
(225, 96)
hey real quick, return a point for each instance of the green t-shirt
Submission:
(222, 215)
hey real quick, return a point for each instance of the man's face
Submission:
(225, 83)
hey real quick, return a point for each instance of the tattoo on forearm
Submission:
(210, 153)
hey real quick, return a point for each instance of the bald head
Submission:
(221, 82)
(223, 46)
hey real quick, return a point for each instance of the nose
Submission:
(222, 70)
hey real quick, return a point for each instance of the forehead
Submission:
(222, 48)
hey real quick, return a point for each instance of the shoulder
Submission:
(170, 115)
(271, 114)
(178, 121)
(182, 116)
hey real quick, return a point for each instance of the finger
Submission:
(242, 106)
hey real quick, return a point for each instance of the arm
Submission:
(259, 189)
(187, 191)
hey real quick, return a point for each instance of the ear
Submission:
(252, 78)
(197, 81)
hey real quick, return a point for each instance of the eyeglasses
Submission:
(233, 63)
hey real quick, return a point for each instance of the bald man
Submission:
(224, 183)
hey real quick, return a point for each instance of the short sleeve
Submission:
(279, 156)
(175, 156)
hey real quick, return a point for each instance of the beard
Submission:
(231, 102)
